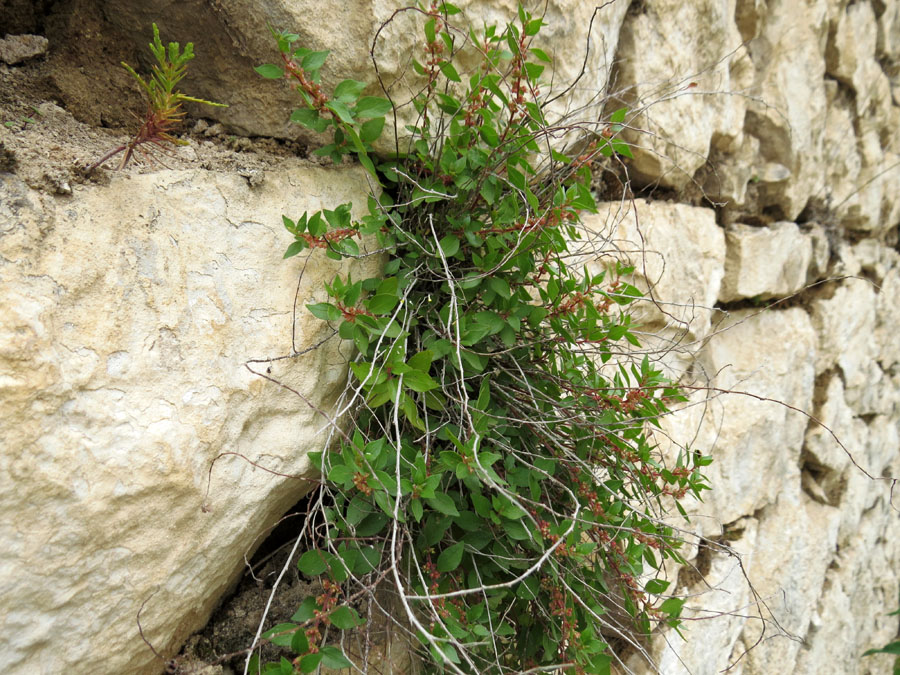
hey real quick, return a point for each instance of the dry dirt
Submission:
(61, 112)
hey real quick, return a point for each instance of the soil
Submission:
(61, 112)
(218, 648)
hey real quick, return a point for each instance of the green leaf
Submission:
(269, 71)
(312, 61)
(449, 71)
(419, 381)
(528, 589)
(449, 245)
(345, 618)
(348, 91)
(295, 248)
(443, 503)
(489, 135)
(312, 563)
(310, 119)
(341, 110)
(382, 303)
(310, 662)
(541, 54)
(489, 190)
(618, 117)
(280, 640)
(672, 606)
(340, 474)
(334, 658)
(415, 508)
(306, 611)
(450, 558)
(371, 525)
(657, 586)
(622, 148)
(515, 529)
(447, 652)
(371, 129)
(325, 311)
(533, 27)
(316, 226)
(499, 286)
(299, 642)
(890, 648)
(372, 106)
(368, 561)
(534, 70)
(421, 361)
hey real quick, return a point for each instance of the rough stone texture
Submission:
(765, 262)
(128, 314)
(128, 311)
(734, 111)
(887, 318)
(18, 48)
(845, 325)
(788, 577)
(682, 118)
(232, 36)
(677, 252)
(756, 444)
(723, 587)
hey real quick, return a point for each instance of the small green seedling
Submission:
(164, 112)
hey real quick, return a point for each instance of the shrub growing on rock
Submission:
(499, 484)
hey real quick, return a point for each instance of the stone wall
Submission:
(766, 227)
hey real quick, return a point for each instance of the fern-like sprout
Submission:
(164, 112)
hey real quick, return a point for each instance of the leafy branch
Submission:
(501, 480)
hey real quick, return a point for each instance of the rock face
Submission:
(765, 262)
(128, 311)
(233, 36)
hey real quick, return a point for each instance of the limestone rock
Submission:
(233, 36)
(845, 325)
(822, 450)
(755, 444)
(843, 624)
(796, 541)
(821, 252)
(765, 262)
(786, 114)
(887, 318)
(678, 253)
(721, 590)
(677, 78)
(852, 47)
(730, 175)
(129, 312)
(749, 16)
(19, 48)
(888, 42)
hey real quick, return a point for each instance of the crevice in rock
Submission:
(746, 303)
(233, 625)
(821, 483)
(695, 572)
(868, 418)
(636, 8)
(801, 299)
